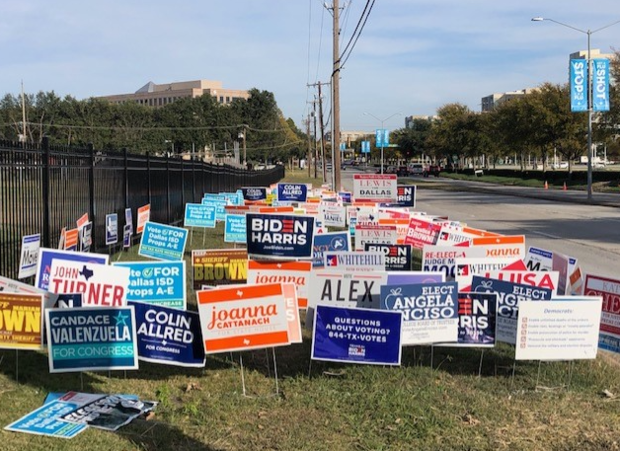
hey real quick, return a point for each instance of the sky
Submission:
(412, 57)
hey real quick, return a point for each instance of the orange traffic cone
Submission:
(564, 187)
(546, 185)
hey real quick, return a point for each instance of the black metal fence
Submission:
(45, 188)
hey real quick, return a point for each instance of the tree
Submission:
(412, 141)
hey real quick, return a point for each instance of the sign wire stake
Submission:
(538, 375)
(242, 375)
(571, 366)
(275, 370)
(17, 366)
(512, 376)
(480, 367)
(82, 381)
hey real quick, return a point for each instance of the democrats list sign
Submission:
(91, 339)
(356, 335)
(281, 236)
(163, 242)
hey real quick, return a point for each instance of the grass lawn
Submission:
(439, 399)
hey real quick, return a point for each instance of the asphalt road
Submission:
(559, 221)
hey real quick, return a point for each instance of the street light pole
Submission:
(382, 122)
(590, 89)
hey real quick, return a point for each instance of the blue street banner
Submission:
(169, 336)
(199, 215)
(578, 85)
(254, 193)
(382, 137)
(600, 94)
(509, 296)
(111, 229)
(343, 146)
(162, 242)
(46, 256)
(91, 339)
(397, 256)
(326, 242)
(157, 283)
(429, 310)
(354, 335)
(235, 229)
(365, 146)
(29, 255)
(46, 420)
(279, 236)
(292, 192)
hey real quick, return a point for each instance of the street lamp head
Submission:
(537, 19)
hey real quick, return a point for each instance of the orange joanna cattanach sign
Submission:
(243, 318)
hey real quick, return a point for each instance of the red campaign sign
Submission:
(422, 233)
(609, 289)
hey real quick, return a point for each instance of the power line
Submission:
(360, 25)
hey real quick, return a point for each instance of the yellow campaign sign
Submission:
(21, 321)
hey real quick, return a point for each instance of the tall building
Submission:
(155, 95)
(490, 102)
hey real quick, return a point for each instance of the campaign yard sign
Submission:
(199, 215)
(292, 192)
(326, 242)
(406, 197)
(397, 256)
(279, 236)
(28, 256)
(91, 339)
(254, 193)
(156, 283)
(430, 311)
(376, 188)
(509, 296)
(333, 215)
(346, 289)
(376, 234)
(144, 215)
(609, 290)
(422, 232)
(219, 267)
(567, 328)
(353, 335)
(540, 279)
(169, 336)
(47, 256)
(163, 242)
(477, 320)
(467, 267)
(46, 420)
(298, 273)
(102, 285)
(111, 229)
(21, 321)
(235, 229)
(354, 261)
(243, 318)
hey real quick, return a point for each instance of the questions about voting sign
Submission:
(91, 339)
(162, 242)
(169, 336)
(158, 283)
(356, 335)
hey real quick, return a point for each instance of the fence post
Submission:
(182, 184)
(169, 220)
(148, 174)
(45, 191)
(126, 175)
(91, 194)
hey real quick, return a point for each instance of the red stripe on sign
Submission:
(246, 342)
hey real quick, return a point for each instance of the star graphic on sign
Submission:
(121, 319)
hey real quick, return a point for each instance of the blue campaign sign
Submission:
(68, 300)
(157, 283)
(128, 220)
(169, 336)
(254, 193)
(162, 242)
(44, 263)
(578, 85)
(46, 420)
(292, 192)
(279, 236)
(600, 94)
(509, 295)
(91, 339)
(235, 229)
(477, 319)
(357, 335)
(345, 196)
(127, 235)
(397, 256)
(406, 197)
(219, 205)
(111, 229)
(199, 215)
(328, 242)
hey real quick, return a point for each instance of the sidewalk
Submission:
(557, 195)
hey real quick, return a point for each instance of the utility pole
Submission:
(322, 127)
(309, 144)
(314, 135)
(336, 98)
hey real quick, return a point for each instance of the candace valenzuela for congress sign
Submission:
(91, 339)
(281, 236)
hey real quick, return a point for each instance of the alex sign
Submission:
(163, 242)
(379, 188)
(91, 339)
(346, 289)
(236, 319)
(281, 236)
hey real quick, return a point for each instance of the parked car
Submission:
(432, 169)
